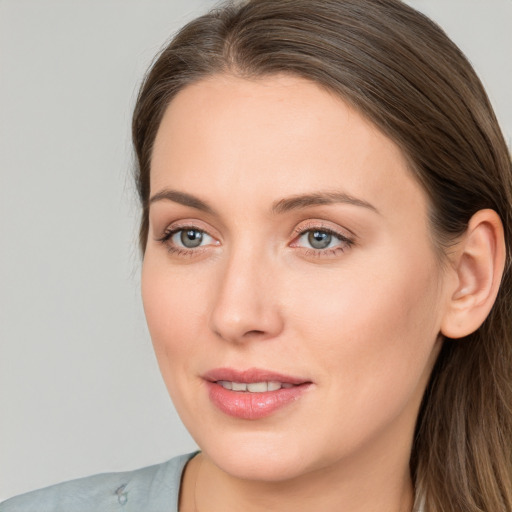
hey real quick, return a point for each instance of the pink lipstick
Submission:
(252, 394)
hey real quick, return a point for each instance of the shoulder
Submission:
(152, 488)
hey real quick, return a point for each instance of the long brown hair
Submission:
(401, 71)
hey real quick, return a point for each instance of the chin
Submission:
(259, 467)
(266, 458)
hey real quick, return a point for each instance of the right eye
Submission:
(190, 238)
(185, 239)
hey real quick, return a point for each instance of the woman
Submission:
(326, 229)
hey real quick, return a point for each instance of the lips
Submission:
(254, 387)
(252, 394)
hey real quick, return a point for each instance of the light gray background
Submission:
(80, 390)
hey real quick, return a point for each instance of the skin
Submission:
(360, 320)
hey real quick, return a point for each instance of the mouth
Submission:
(254, 387)
(252, 394)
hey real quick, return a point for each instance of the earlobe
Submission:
(478, 263)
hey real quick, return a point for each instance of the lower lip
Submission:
(253, 406)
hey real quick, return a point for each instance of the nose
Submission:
(246, 305)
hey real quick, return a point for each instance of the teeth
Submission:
(274, 386)
(254, 387)
(257, 387)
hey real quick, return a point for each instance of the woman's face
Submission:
(289, 254)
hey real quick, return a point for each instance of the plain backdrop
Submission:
(80, 390)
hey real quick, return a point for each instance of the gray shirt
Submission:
(150, 489)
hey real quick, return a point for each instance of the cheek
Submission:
(373, 331)
(371, 336)
(176, 325)
(173, 313)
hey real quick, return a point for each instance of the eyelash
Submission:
(299, 232)
(345, 242)
(165, 240)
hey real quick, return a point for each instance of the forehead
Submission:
(280, 135)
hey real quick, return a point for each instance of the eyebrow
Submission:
(319, 199)
(182, 198)
(279, 207)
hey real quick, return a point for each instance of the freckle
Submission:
(122, 497)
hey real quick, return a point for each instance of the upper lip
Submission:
(251, 375)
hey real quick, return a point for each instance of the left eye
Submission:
(190, 238)
(320, 239)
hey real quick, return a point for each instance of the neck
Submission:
(376, 484)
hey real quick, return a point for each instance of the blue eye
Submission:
(190, 238)
(321, 239)
(186, 240)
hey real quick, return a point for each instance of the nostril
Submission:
(254, 333)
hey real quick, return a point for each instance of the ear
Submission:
(478, 263)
